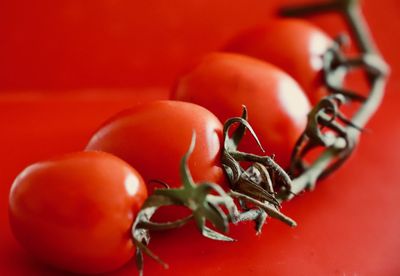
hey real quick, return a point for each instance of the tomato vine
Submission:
(328, 109)
(264, 185)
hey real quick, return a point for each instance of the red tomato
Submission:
(294, 45)
(76, 212)
(154, 137)
(277, 106)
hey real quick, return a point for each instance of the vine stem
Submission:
(350, 9)
(206, 200)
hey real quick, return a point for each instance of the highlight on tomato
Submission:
(294, 45)
(277, 106)
(76, 212)
(154, 137)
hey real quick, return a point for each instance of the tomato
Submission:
(154, 137)
(76, 212)
(277, 106)
(294, 45)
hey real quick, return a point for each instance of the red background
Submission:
(66, 66)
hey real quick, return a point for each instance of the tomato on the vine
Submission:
(154, 137)
(75, 212)
(294, 45)
(277, 106)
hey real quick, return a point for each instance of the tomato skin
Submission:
(277, 107)
(76, 212)
(294, 45)
(154, 137)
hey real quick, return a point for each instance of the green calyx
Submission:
(253, 190)
(203, 199)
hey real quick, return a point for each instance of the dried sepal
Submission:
(281, 178)
(141, 239)
(255, 185)
(232, 143)
(271, 210)
(239, 132)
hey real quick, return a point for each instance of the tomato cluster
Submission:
(93, 198)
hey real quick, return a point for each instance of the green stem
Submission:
(307, 180)
(359, 29)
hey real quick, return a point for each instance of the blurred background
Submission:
(117, 44)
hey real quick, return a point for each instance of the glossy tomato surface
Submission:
(75, 212)
(294, 45)
(154, 137)
(277, 106)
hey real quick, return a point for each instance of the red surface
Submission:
(348, 226)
